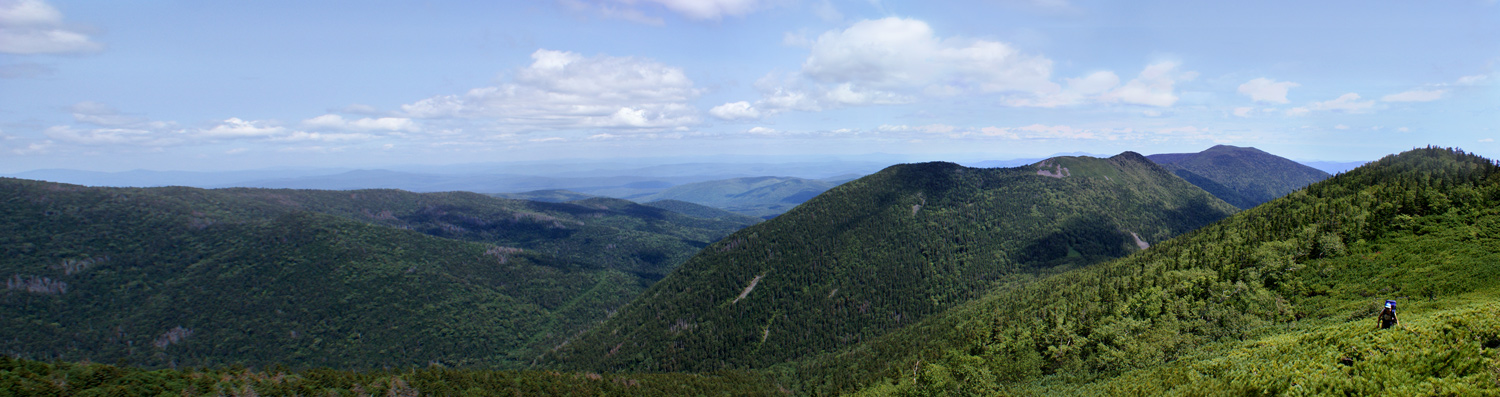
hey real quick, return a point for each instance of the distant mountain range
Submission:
(600, 179)
(762, 197)
(1245, 177)
(885, 251)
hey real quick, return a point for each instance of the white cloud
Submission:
(1341, 127)
(1267, 90)
(1348, 103)
(897, 53)
(1403, 129)
(761, 131)
(235, 128)
(334, 121)
(1487, 140)
(1473, 80)
(1243, 111)
(1297, 111)
(1153, 87)
(1094, 84)
(930, 128)
(692, 9)
(1092, 87)
(735, 111)
(102, 115)
(895, 60)
(112, 136)
(35, 27)
(303, 136)
(1415, 96)
(561, 90)
(707, 9)
(42, 147)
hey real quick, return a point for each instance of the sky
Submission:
(218, 85)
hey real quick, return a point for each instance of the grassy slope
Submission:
(182, 276)
(1244, 177)
(882, 252)
(1279, 299)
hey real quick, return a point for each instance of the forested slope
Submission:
(885, 251)
(603, 232)
(1279, 299)
(1242, 176)
(182, 276)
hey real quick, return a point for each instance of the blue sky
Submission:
(192, 85)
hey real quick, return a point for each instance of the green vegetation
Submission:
(600, 232)
(701, 211)
(923, 279)
(761, 197)
(164, 277)
(1242, 176)
(1279, 299)
(34, 378)
(549, 195)
(883, 252)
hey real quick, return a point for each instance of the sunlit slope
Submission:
(886, 251)
(190, 277)
(1279, 299)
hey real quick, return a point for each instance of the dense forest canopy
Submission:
(883, 252)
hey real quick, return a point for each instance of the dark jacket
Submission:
(1388, 318)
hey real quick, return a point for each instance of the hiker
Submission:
(1388, 316)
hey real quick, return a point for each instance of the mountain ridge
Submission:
(883, 251)
(1242, 176)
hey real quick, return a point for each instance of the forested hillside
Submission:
(1279, 299)
(885, 251)
(601, 232)
(1242, 176)
(701, 211)
(183, 276)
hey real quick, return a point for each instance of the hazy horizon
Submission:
(187, 86)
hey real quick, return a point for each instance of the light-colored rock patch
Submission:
(1142, 244)
(748, 288)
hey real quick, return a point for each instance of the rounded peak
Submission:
(1131, 156)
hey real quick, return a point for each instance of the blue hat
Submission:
(1390, 304)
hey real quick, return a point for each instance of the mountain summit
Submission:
(1243, 176)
